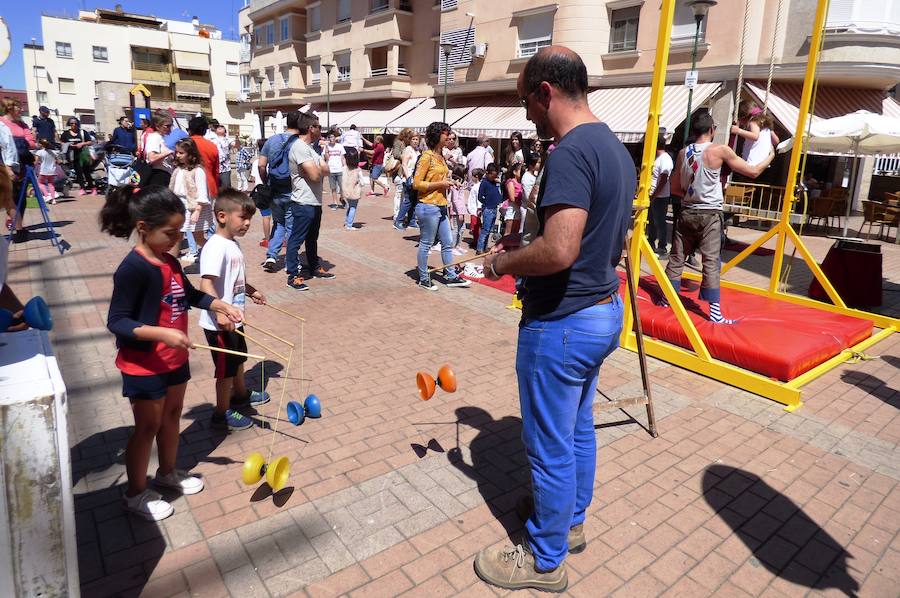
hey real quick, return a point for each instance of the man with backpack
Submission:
(275, 171)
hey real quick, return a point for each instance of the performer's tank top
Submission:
(704, 188)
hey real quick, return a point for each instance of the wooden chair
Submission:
(873, 214)
(820, 208)
(838, 210)
(892, 220)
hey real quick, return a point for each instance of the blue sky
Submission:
(24, 20)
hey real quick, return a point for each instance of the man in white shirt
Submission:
(660, 196)
(481, 156)
(224, 144)
(336, 156)
(308, 170)
(353, 141)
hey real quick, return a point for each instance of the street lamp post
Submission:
(328, 67)
(447, 49)
(262, 127)
(700, 8)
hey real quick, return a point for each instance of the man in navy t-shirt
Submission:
(571, 316)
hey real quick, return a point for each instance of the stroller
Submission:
(118, 165)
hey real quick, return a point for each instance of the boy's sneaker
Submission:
(253, 399)
(399, 226)
(269, 265)
(428, 285)
(148, 504)
(179, 480)
(188, 259)
(322, 273)
(349, 227)
(296, 282)
(232, 419)
(458, 282)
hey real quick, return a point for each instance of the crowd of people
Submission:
(554, 218)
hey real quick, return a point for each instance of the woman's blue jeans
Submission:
(284, 219)
(557, 364)
(433, 221)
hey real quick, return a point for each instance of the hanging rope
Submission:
(740, 81)
(772, 55)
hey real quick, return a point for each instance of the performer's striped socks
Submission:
(715, 314)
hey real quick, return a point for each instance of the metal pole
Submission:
(687, 121)
(446, 74)
(328, 100)
(262, 128)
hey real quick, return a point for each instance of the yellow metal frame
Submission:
(698, 358)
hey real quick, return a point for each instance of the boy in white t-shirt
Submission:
(336, 156)
(660, 197)
(222, 269)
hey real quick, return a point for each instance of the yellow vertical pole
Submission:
(642, 202)
(805, 98)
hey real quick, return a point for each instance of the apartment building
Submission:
(87, 65)
(387, 58)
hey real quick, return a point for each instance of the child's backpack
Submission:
(279, 166)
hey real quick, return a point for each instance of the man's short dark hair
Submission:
(305, 120)
(352, 127)
(198, 125)
(701, 124)
(562, 70)
(661, 141)
(492, 167)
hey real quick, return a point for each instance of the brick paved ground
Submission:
(735, 498)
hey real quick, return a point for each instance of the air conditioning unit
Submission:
(479, 50)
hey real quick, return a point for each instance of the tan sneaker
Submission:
(577, 541)
(512, 568)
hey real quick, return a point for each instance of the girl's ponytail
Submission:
(126, 205)
(115, 217)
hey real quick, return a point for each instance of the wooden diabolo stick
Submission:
(458, 262)
(264, 346)
(285, 312)
(229, 351)
(267, 333)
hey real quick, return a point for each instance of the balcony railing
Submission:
(193, 88)
(315, 79)
(401, 70)
(343, 76)
(159, 67)
(245, 54)
(382, 72)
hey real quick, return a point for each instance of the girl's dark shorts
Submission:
(154, 387)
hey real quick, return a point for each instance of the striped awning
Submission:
(784, 102)
(426, 113)
(375, 121)
(334, 120)
(625, 109)
(498, 118)
(194, 61)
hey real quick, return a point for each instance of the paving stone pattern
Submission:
(390, 495)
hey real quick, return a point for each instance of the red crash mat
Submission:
(773, 338)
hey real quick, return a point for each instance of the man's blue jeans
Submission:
(488, 216)
(434, 222)
(557, 364)
(658, 237)
(304, 231)
(283, 218)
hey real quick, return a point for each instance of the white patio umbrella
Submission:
(860, 133)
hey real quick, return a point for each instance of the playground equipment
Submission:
(807, 338)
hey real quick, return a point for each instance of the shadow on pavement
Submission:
(499, 463)
(117, 552)
(782, 538)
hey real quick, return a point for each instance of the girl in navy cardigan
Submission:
(148, 315)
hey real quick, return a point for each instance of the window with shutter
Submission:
(462, 40)
(343, 13)
(535, 32)
(684, 24)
